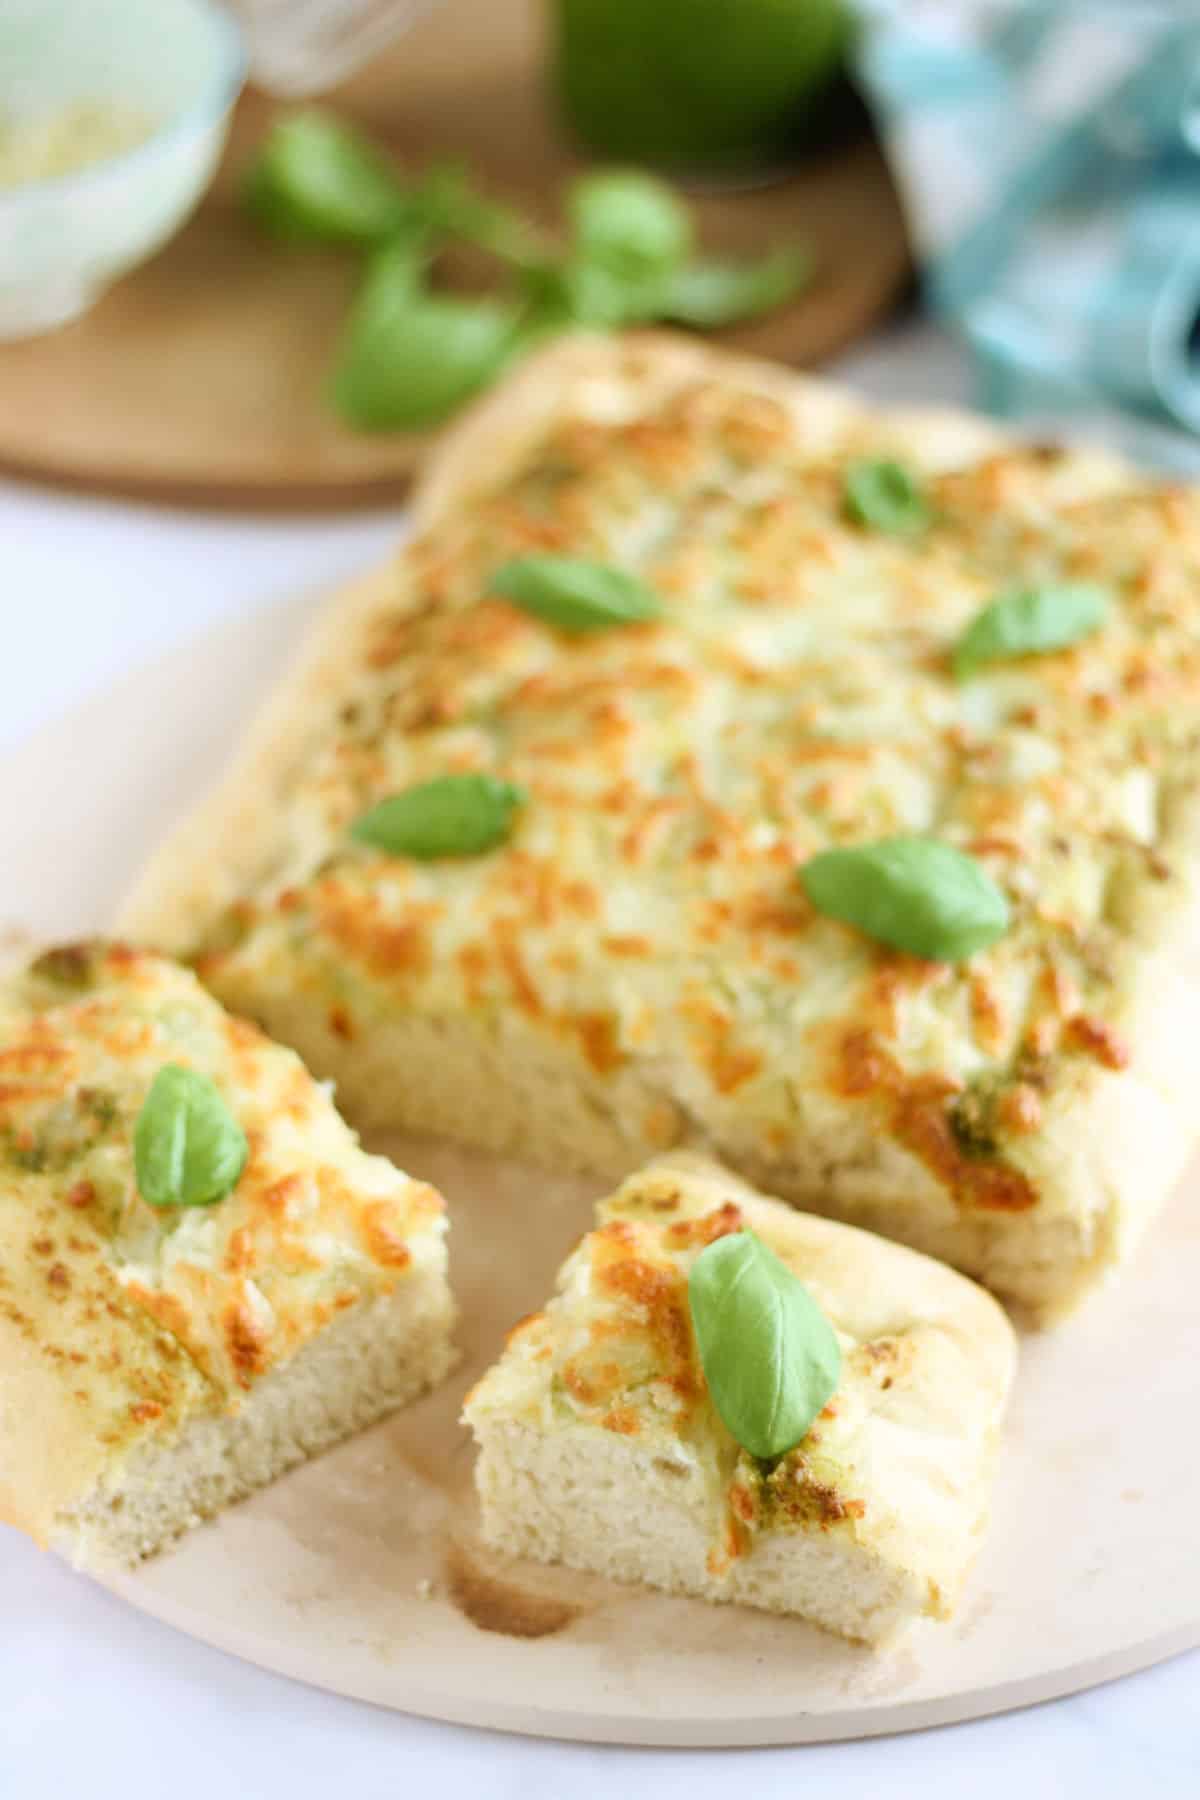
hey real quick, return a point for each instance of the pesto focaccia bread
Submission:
(600, 1447)
(158, 1361)
(638, 964)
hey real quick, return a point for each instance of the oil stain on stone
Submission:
(497, 1603)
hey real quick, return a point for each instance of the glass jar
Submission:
(696, 86)
(299, 47)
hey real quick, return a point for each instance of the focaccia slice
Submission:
(599, 1445)
(157, 1363)
(637, 965)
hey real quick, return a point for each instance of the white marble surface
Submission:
(99, 1701)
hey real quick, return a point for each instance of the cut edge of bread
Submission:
(373, 1359)
(1101, 1183)
(595, 1501)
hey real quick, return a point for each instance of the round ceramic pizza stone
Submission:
(362, 1572)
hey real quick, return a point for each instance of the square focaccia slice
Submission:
(600, 1447)
(634, 961)
(159, 1361)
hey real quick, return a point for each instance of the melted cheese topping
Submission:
(797, 694)
(157, 1310)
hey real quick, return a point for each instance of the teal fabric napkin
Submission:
(1047, 153)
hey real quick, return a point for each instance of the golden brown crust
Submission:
(704, 758)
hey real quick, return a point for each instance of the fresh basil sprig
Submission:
(1031, 621)
(410, 356)
(885, 496)
(188, 1149)
(452, 815)
(914, 893)
(769, 1354)
(573, 593)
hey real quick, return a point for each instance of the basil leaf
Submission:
(629, 222)
(710, 294)
(914, 893)
(770, 1356)
(409, 357)
(574, 594)
(453, 815)
(188, 1149)
(316, 178)
(1030, 621)
(885, 496)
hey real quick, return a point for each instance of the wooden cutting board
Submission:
(201, 375)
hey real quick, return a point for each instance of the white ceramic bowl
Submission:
(179, 63)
